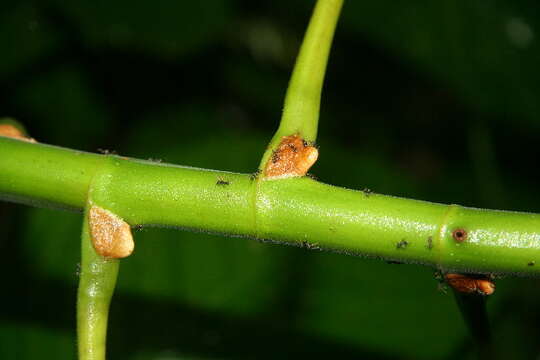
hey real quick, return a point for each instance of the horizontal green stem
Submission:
(295, 210)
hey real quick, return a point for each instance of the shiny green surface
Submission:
(96, 287)
(28, 176)
(298, 210)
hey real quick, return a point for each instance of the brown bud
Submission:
(111, 236)
(11, 131)
(293, 157)
(470, 284)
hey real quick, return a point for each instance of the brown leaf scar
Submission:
(459, 235)
(11, 131)
(111, 236)
(470, 284)
(293, 157)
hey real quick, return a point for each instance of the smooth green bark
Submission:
(296, 210)
(96, 287)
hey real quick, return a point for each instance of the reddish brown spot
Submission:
(11, 131)
(110, 235)
(293, 157)
(460, 235)
(470, 284)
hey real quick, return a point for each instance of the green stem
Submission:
(302, 102)
(296, 210)
(96, 286)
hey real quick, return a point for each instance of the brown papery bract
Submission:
(470, 284)
(111, 236)
(293, 157)
(11, 131)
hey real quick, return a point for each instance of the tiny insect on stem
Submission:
(222, 182)
(402, 245)
(430, 242)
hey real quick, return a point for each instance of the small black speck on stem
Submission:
(310, 246)
(255, 175)
(402, 245)
(222, 182)
(429, 242)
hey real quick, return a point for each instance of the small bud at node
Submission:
(111, 236)
(293, 157)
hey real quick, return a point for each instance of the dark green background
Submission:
(435, 100)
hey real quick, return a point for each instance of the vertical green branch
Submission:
(96, 286)
(302, 102)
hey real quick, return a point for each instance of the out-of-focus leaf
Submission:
(25, 36)
(373, 304)
(196, 135)
(487, 51)
(70, 113)
(169, 355)
(165, 28)
(33, 342)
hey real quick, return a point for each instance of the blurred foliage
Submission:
(429, 100)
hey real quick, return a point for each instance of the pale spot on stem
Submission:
(11, 131)
(111, 236)
(470, 284)
(293, 157)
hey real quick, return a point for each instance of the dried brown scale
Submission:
(110, 235)
(293, 157)
(470, 284)
(11, 131)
